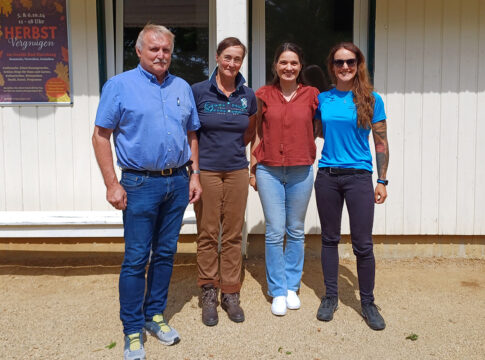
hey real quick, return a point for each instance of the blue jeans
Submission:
(284, 192)
(152, 221)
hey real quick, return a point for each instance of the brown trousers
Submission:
(223, 203)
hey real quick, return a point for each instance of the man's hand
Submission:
(380, 194)
(116, 196)
(195, 189)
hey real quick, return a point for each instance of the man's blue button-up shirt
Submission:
(149, 120)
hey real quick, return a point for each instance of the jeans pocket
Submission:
(185, 174)
(131, 180)
(364, 176)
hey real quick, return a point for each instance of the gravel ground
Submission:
(71, 312)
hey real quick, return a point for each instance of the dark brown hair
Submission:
(314, 76)
(287, 46)
(362, 88)
(228, 42)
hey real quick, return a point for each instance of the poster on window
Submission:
(34, 52)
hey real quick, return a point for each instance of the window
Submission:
(187, 19)
(314, 25)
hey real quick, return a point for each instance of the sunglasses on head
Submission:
(340, 63)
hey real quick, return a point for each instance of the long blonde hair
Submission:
(362, 88)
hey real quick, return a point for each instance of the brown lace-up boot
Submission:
(230, 303)
(209, 305)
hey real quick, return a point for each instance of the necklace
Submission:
(290, 96)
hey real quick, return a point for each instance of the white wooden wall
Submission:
(46, 157)
(430, 70)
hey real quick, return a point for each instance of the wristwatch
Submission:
(194, 172)
(383, 182)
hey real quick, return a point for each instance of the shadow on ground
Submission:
(313, 278)
(27, 263)
(183, 288)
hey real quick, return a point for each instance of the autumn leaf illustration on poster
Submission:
(34, 52)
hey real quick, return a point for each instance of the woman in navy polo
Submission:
(226, 108)
(349, 112)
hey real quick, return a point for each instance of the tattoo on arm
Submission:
(379, 131)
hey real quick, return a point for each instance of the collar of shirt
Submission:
(240, 81)
(282, 98)
(152, 78)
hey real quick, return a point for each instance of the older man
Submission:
(153, 117)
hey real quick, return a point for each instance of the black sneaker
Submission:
(371, 315)
(327, 307)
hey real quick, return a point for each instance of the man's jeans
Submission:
(152, 221)
(284, 193)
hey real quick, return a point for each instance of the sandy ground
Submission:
(71, 312)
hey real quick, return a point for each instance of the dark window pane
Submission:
(187, 19)
(315, 25)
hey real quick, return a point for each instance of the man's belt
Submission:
(344, 171)
(164, 172)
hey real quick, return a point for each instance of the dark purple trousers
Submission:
(358, 192)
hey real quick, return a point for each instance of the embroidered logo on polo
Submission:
(226, 108)
(244, 103)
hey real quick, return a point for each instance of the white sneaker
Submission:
(292, 300)
(278, 307)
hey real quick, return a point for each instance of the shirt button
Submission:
(228, 110)
(168, 133)
(169, 149)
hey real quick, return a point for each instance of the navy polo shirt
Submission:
(223, 122)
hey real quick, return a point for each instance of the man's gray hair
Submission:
(158, 30)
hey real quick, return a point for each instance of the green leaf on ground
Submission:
(111, 345)
(279, 349)
(288, 353)
(412, 337)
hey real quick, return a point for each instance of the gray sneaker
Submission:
(370, 312)
(134, 349)
(159, 328)
(327, 307)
